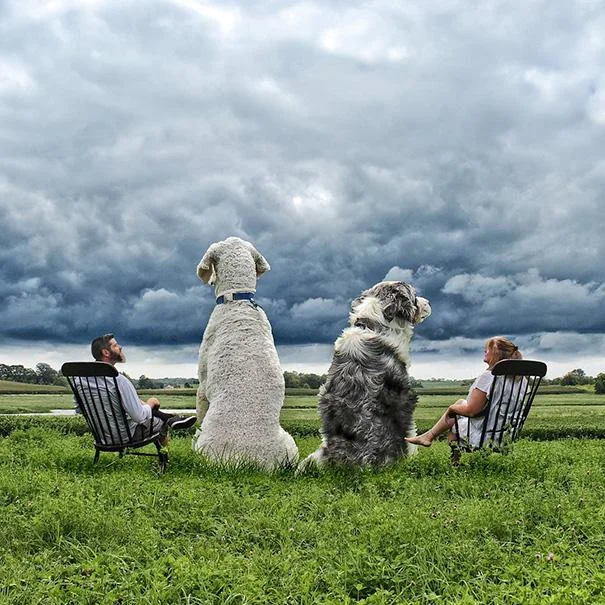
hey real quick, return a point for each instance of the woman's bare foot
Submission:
(425, 440)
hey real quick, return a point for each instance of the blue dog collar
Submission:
(235, 296)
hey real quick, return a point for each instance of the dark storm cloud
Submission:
(456, 147)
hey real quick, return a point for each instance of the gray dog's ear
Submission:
(398, 301)
(260, 261)
(205, 269)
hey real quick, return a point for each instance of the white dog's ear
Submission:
(205, 269)
(261, 262)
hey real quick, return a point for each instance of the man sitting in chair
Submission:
(142, 415)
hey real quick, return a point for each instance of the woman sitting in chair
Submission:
(470, 422)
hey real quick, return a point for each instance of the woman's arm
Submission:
(469, 407)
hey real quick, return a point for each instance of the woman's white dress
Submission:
(499, 416)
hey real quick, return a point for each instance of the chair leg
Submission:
(163, 462)
(162, 457)
(456, 453)
(97, 454)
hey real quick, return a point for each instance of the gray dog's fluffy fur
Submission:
(367, 403)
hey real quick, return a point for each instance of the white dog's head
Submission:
(232, 265)
(390, 303)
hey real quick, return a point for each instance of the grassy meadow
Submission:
(526, 527)
(556, 410)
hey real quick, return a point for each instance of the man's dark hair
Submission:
(98, 344)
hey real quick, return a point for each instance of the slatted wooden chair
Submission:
(95, 388)
(510, 398)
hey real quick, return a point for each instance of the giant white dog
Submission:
(241, 389)
(367, 403)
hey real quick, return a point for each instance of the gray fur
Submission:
(367, 403)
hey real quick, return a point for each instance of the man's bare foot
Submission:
(425, 440)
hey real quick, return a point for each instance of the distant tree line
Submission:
(571, 379)
(147, 383)
(45, 374)
(579, 377)
(300, 380)
(144, 382)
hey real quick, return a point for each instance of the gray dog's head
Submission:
(390, 302)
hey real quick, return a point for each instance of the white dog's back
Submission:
(241, 390)
(242, 420)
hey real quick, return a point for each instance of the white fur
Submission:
(369, 307)
(241, 389)
(398, 334)
(398, 337)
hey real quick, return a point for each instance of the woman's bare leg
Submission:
(445, 423)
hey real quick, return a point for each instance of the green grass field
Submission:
(522, 528)
(571, 409)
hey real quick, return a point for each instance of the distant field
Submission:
(17, 388)
(552, 414)
(428, 388)
(32, 402)
(7, 386)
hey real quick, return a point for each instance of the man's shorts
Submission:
(145, 430)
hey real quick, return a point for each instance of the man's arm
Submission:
(137, 410)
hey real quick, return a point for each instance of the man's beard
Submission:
(117, 357)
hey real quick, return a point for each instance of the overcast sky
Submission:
(458, 146)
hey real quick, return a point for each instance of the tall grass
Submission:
(551, 417)
(522, 528)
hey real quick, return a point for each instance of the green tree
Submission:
(313, 381)
(144, 382)
(599, 383)
(295, 380)
(415, 383)
(20, 373)
(292, 380)
(575, 377)
(60, 380)
(46, 374)
(569, 379)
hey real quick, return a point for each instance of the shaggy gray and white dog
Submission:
(367, 403)
(241, 389)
